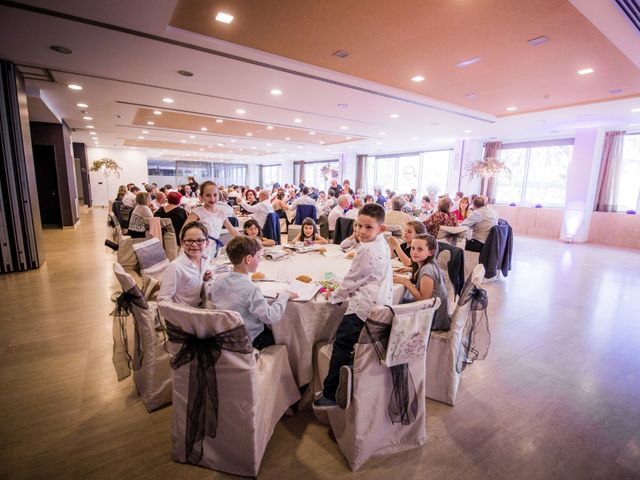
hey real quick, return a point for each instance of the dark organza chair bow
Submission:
(123, 308)
(476, 336)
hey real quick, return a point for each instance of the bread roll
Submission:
(304, 278)
(352, 254)
(257, 276)
(322, 250)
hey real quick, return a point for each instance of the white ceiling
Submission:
(120, 71)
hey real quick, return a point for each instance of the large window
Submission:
(427, 172)
(538, 173)
(314, 173)
(270, 174)
(175, 172)
(628, 195)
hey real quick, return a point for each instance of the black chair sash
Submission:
(121, 312)
(452, 238)
(476, 336)
(403, 403)
(202, 404)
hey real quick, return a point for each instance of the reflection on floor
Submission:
(557, 396)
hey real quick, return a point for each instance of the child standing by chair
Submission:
(309, 233)
(235, 291)
(367, 284)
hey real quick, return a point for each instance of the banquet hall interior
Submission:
(530, 110)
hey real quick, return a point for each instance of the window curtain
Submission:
(609, 178)
(301, 174)
(361, 162)
(491, 149)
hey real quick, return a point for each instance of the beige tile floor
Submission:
(557, 398)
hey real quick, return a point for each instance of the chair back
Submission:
(344, 228)
(125, 215)
(271, 228)
(305, 211)
(380, 420)
(234, 221)
(443, 259)
(323, 226)
(152, 258)
(496, 252)
(114, 230)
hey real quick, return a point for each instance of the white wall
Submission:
(470, 151)
(286, 172)
(134, 170)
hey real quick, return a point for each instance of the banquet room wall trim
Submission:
(210, 51)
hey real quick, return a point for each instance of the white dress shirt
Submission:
(259, 211)
(182, 281)
(480, 222)
(129, 199)
(335, 213)
(368, 282)
(235, 291)
(302, 200)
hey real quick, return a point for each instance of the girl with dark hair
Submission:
(309, 233)
(252, 229)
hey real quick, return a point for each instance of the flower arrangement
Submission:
(328, 173)
(487, 168)
(329, 284)
(108, 167)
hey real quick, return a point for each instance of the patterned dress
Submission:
(435, 221)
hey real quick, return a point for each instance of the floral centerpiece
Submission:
(108, 167)
(328, 173)
(487, 169)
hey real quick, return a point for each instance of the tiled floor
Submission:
(558, 396)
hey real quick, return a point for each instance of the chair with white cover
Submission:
(386, 413)
(152, 262)
(150, 357)
(227, 398)
(443, 258)
(453, 235)
(467, 340)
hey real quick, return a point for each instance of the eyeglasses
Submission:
(199, 241)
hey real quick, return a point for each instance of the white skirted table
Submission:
(306, 323)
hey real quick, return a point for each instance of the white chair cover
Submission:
(114, 230)
(254, 390)
(444, 256)
(376, 423)
(150, 357)
(443, 371)
(126, 255)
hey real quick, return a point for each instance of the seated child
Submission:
(252, 229)
(309, 233)
(403, 250)
(183, 279)
(426, 279)
(235, 291)
(367, 284)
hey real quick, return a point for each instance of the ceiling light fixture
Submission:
(467, 131)
(585, 71)
(219, 120)
(538, 41)
(466, 63)
(61, 49)
(415, 138)
(383, 133)
(90, 126)
(183, 141)
(167, 100)
(511, 109)
(151, 123)
(204, 129)
(141, 138)
(73, 86)
(417, 78)
(224, 18)
(233, 140)
(144, 132)
(348, 138)
(185, 73)
(241, 111)
(343, 105)
(92, 133)
(269, 127)
(249, 134)
(394, 115)
(82, 105)
(635, 110)
(87, 118)
(192, 136)
(344, 127)
(297, 120)
(157, 112)
(276, 91)
(312, 133)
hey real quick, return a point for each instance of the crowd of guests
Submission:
(199, 212)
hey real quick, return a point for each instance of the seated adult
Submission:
(462, 212)
(223, 204)
(250, 197)
(380, 199)
(137, 227)
(427, 206)
(159, 200)
(303, 199)
(261, 209)
(129, 198)
(396, 216)
(443, 216)
(338, 211)
(173, 211)
(479, 222)
(353, 213)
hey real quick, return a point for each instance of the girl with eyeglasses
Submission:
(183, 279)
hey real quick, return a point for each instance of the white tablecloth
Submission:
(306, 323)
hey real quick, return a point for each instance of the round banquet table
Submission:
(306, 323)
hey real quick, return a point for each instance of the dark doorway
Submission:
(44, 159)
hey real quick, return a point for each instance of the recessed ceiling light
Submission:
(394, 115)
(90, 126)
(219, 120)
(417, 78)
(269, 127)
(145, 132)
(276, 91)
(585, 71)
(299, 148)
(220, 145)
(183, 141)
(82, 105)
(87, 118)
(253, 148)
(233, 140)
(192, 136)
(249, 134)
(204, 129)
(511, 109)
(167, 100)
(348, 138)
(466, 63)
(379, 143)
(157, 112)
(635, 110)
(141, 138)
(92, 133)
(224, 17)
(321, 142)
(615, 91)
(241, 111)
(467, 131)
(73, 86)
(297, 120)
(61, 49)
(185, 73)
(312, 133)
(538, 41)
(287, 138)
(151, 123)
(268, 144)
(415, 138)
(383, 133)
(343, 105)
(470, 96)
(344, 127)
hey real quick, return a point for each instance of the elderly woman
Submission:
(137, 226)
(396, 216)
(443, 216)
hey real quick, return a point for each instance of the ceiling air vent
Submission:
(631, 8)
(341, 53)
(36, 73)
(538, 41)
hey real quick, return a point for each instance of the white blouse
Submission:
(182, 281)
